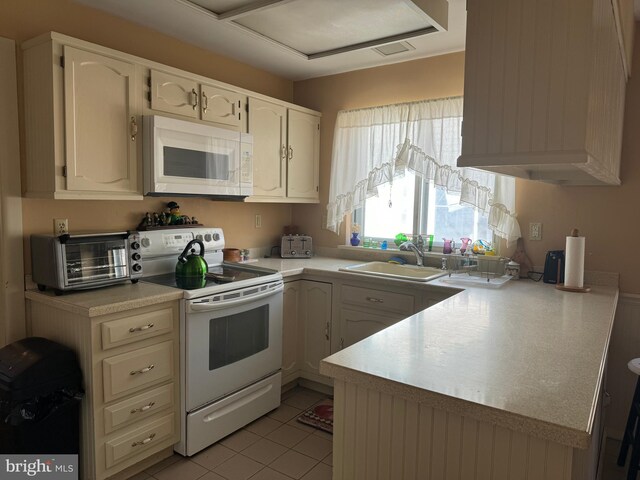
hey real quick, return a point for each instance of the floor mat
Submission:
(319, 416)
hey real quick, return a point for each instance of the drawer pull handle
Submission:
(142, 370)
(145, 441)
(143, 409)
(140, 329)
(375, 300)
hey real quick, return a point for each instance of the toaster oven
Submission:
(294, 246)
(75, 262)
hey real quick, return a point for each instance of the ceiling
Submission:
(300, 39)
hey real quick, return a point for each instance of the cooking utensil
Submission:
(192, 268)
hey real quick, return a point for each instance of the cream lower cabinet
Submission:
(191, 98)
(81, 123)
(129, 361)
(365, 311)
(286, 153)
(306, 329)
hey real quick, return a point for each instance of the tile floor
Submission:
(274, 447)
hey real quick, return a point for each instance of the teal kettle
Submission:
(191, 268)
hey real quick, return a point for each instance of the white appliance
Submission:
(188, 158)
(230, 337)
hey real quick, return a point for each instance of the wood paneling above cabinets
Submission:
(544, 90)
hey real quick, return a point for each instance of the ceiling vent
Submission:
(393, 48)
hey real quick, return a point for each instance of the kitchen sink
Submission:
(393, 270)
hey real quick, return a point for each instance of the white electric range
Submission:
(230, 336)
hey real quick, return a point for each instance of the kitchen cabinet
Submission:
(192, 98)
(306, 331)
(365, 311)
(290, 312)
(544, 100)
(315, 327)
(82, 123)
(286, 149)
(130, 367)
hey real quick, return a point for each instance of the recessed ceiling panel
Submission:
(222, 6)
(314, 26)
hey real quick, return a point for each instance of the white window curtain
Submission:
(371, 146)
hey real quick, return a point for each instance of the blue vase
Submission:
(355, 241)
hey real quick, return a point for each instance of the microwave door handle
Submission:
(206, 307)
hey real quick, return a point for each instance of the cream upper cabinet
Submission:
(267, 124)
(544, 100)
(173, 94)
(82, 123)
(286, 146)
(303, 155)
(190, 98)
(101, 127)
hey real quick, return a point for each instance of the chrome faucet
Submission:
(408, 246)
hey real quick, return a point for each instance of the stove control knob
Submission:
(146, 242)
(136, 256)
(135, 245)
(307, 253)
(199, 237)
(136, 267)
(293, 253)
(207, 237)
(216, 237)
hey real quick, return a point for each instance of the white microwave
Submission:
(187, 158)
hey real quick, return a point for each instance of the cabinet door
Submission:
(101, 127)
(356, 325)
(290, 315)
(267, 125)
(221, 106)
(315, 308)
(303, 155)
(173, 94)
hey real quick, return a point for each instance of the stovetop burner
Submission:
(218, 276)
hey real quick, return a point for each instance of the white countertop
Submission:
(525, 356)
(113, 299)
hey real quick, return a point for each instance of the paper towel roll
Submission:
(574, 262)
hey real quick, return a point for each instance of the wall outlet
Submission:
(60, 226)
(258, 220)
(535, 231)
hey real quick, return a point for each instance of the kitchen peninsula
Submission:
(489, 384)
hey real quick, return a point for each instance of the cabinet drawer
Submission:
(378, 299)
(130, 371)
(137, 440)
(136, 327)
(138, 407)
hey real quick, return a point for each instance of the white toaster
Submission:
(294, 246)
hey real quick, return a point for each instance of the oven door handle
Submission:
(208, 307)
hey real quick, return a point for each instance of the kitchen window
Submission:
(394, 169)
(412, 205)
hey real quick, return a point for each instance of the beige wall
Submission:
(428, 78)
(21, 20)
(608, 216)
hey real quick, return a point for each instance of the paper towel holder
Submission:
(561, 286)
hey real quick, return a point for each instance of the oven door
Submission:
(191, 158)
(94, 261)
(233, 339)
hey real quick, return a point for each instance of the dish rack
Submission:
(486, 267)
